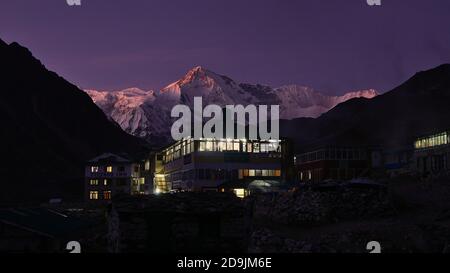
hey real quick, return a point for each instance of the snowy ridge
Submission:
(147, 113)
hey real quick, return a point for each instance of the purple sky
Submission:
(331, 45)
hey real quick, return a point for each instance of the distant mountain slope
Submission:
(151, 116)
(125, 107)
(49, 129)
(419, 106)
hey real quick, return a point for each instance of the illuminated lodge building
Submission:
(110, 174)
(241, 166)
(432, 153)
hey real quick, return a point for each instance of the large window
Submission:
(94, 169)
(93, 195)
(93, 182)
(107, 195)
(277, 173)
(236, 146)
(109, 169)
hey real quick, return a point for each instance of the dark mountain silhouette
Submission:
(49, 129)
(419, 106)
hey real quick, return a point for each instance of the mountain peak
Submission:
(197, 73)
(198, 69)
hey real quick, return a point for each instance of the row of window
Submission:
(95, 182)
(94, 195)
(334, 154)
(110, 169)
(238, 146)
(107, 169)
(108, 182)
(432, 141)
(263, 173)
(333, 173)
(186, 147)
(182, 148)
(219, 174)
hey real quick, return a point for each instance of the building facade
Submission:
(431, 154)
(110, 174)
(398, 161)
(223, 165)
(337, 163)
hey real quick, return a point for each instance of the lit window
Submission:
(209, 146)
(229, 146)
(251, 172)
(236, 146)
(94, 169)
(265, 172)
(239, 193)
(244, 147)
(187, 147)
(93, 182)
(246, 172)
(278, 173)
(105, 182)
(202, 147)
(264, 148)
(93, 195)
(107, 195)
(109, 169)
(249, 147)
(256, 148)
(147, 165)
(222, 146)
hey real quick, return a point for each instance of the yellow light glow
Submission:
(239, 192)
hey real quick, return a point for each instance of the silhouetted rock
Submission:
(396, 118)
(49, 129)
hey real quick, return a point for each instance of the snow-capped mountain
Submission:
(147, 113)
(299, 101)
(126, 107)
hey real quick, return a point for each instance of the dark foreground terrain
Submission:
(409, 216)
(404, 215)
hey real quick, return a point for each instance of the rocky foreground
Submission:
(404, 216)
